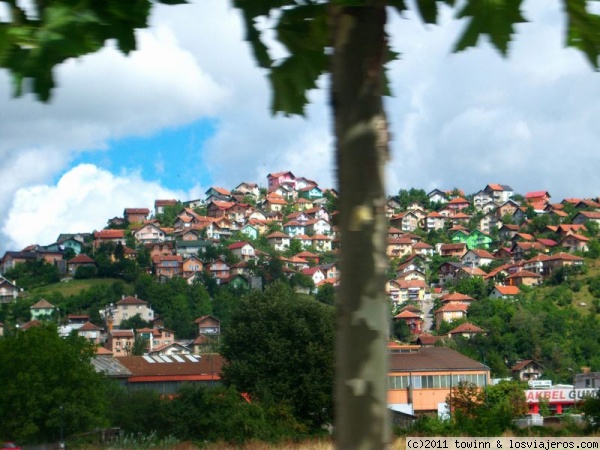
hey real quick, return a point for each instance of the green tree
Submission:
(33, 273)
(348, 39)
(134, 322)
(291, 356)
(48, 380)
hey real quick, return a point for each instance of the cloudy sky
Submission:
(189, 110)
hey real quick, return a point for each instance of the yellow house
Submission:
(420, 378)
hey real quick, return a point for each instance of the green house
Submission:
(473, 239)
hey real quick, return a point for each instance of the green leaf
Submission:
(428, 10)
(583, 30)
(398, 5)
(303, 30)
(494, 18)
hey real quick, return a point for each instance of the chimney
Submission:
(586, 369)
(110, 322)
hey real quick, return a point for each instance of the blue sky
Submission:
(170, 156)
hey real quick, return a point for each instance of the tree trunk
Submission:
(361, 417)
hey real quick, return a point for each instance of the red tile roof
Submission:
(131, 301)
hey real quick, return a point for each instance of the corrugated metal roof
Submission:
(110, 366)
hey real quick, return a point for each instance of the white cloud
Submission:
(82, 201)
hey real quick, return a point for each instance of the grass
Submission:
(72, 287)
(317, 444)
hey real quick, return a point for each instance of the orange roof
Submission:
(507, 290)
(466, 328)
(109, 234)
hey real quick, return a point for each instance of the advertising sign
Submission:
(561, 395)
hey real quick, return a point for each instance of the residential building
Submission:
(126, 308)
(136, 215)
(42, 310)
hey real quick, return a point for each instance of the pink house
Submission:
(275, 179)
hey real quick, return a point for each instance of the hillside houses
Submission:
(233, 233)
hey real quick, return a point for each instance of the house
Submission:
(157, 337)
(435, 221)
(437, 196)
(161, 205)
(309, 256)
(67, 242)
(192, 264)
(208, 325)
(278, 240)
(243, 250)
(412, 320)
(508, 208)
(275, 179)
(187, 248)
(218, 209)
(537, 264)
(136, 215)
(473, 239)
(168, 266)
(42, 310)
(294, 227)
(274, 204)
(250, 230)
(90, 332)
(315, 274)
(456, 297)
(536, 198)
(575, 243)
(399, 247)
(172, 349)
(237, 281)
(285, 191)
(559, 260)
(504, 292)
(317, 226)
(126, 308)
(406, 221)
(120, 342)
(423, 249)
(522, 250)
(245, 188)
(450, 312)
(11, 259)
(400, 291)
(524, 278)
(218, 268)
(466, 330)
(526, 370)
(458, 203)
(149, 234)
(452, 250)
(217, 193)
(321, 243)
(488, 223)
(9, 291)
(79, 261)
(499, 192)
(310, 192)
(107, 236)
(477, 258)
